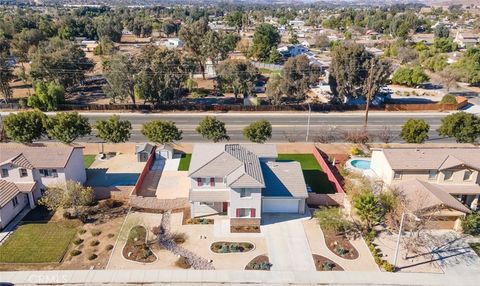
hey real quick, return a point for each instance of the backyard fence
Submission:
(326, 199)
(332, 173)
(145, 171)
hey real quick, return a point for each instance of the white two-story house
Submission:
(447, 176)
(243, 181)
(26, 171)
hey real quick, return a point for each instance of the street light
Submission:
(400, 235)
(308, 121)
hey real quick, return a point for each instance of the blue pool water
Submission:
(361, 164)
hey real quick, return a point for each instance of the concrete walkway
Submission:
(219, 277)
(287, 246)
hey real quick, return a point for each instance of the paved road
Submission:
(286, 126)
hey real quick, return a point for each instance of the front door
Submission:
(225, 207)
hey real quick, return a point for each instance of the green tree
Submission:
(471, 224)
(464, 127)
(409, 76)
(469, 66)
(274, 89)
(119, 73)
(169, 28)
(441, 31)
(378, 73)
(66, 127)
(110, 27)
(368, 208)
(71, 195)
(274, 56)
(235, 19)
(105, 47)
(6, 76)
(193, 37)
(415, 131)
(160, 131)
(59, 60)
(445, 45)
(265, 38)
(47, 96)
(212, 129)
(237, 76)
(24, 41)
(113, 129)
(298, 76)
(259, 131)
(24, 127)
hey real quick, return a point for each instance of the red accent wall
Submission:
(145, 170)
(330, 170)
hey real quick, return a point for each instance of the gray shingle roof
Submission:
(284, 179)
(432, 158)
(238, 163)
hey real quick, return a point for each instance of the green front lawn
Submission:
(312, 172)
(37, 243)
(185, 162)
(88, 160)
(476, 248)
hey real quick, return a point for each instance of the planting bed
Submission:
(340, 245)
(136, 248)
(260, 262)
(325, 264)
(231, 247)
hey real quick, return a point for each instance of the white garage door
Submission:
(280, 205)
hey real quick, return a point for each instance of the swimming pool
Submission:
(360, 164)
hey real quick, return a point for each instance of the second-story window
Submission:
(432, 175)
(15, 202)
(448, 175)
(48, 172)
(467, 176)
(397, 175)
(23, 172)
(4, 173)
(244, 193)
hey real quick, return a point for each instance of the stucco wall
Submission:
(254, 201)
(8, 212)
(75, 169)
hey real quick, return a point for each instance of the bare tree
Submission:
(325, 135)
(359, 136)
(449, 78)
(385, 134)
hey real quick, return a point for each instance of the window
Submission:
(432, 175)
(23, 172)
(244, 193)
(467, 176)
(243, 212)
(208, 204)
(397, 175)
(15, 202)
(48, 172)
(447, 175)
(4, 173)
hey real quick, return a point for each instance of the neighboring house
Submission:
(243, 181)
(446, 177)
(292, 50)
(174, 43)
(25, 172)
(466, 40)
(88, 45)
(427, 39)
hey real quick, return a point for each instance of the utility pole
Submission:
(308, 121)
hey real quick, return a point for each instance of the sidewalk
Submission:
(219, 277)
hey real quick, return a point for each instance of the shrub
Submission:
(328, 265)
(342, 251)
(96, 232)
(108, 247)
(333, 219)
(68, 215)
(449, 99)
(471, 224)
(179, 237)
(92, 256)
(415, 131)
(387, 266)
(359, 136)
(94, 243)
(75, 252)
(77, 241)
(156, 230)
(110, 235)
(183, 263)
(82, 231)
(355, 151)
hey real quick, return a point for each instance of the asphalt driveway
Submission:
(287, 244)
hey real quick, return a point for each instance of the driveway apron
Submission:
(288, 248)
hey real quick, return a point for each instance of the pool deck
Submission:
(366, 172)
